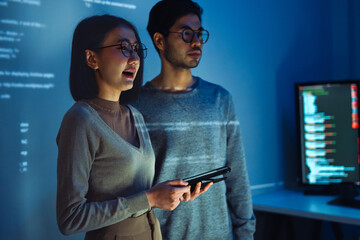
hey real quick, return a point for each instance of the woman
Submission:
(105, 160)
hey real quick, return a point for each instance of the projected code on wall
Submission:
(14, 33)
(34, 63)
(18, 74)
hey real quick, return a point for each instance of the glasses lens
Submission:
(141, 50)
(126, 48)
(187, 35)
(203, 36)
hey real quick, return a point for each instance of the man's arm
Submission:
(238, 188)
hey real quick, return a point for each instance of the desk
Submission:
(295, 203)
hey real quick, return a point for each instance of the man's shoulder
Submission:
(205, 85)
(147, 87)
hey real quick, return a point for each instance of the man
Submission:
(193, 129)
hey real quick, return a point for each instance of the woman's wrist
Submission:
(150, 198)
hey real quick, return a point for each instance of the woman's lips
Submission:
(129, 73)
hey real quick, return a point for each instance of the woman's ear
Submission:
(159, 41)
(91, 59)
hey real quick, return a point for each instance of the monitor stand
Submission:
(347, 196)
(320, 190)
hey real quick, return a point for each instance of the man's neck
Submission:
(174, 80)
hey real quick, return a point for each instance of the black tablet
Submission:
(207, 177)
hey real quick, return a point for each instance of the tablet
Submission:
(207, 177)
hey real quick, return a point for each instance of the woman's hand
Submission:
(190, 196)
(166, 195)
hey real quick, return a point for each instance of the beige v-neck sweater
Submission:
(101, 177)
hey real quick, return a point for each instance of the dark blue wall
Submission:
(259, 49)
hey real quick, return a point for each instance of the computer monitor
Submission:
(328, 130)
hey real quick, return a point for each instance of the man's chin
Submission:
(194, 63)
(188, 64)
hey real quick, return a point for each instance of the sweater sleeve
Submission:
(77, 146)
(238, 187)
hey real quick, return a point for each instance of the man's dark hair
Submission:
(90, 34)
(166, 12)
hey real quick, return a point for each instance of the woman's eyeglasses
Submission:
(128, 48)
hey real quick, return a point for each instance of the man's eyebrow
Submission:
(188, 27)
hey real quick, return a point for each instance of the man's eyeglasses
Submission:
(188, 35)
(128, 48)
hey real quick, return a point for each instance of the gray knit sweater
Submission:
(101, 177)
(191, 133)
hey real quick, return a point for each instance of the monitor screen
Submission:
(328, 124)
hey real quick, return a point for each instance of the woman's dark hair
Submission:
(90, 34)
(166, 12)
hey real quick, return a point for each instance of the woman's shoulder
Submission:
(77, 122)
(80, 111)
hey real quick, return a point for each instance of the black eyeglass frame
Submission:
(143, 48)
(193, 34)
